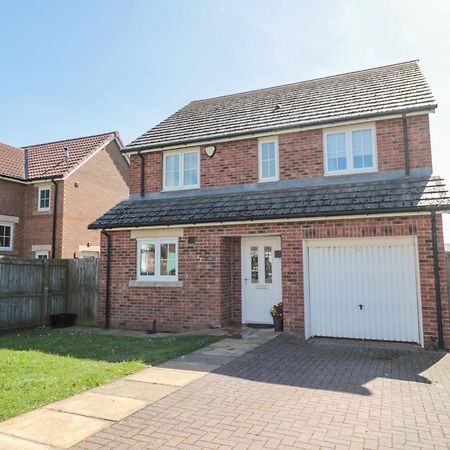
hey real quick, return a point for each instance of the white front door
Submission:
(261, 277)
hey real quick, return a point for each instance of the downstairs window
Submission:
(157, 259)
(6, 236)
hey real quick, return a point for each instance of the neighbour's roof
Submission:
(48, 160)
(379, 91)
(400, 195)
(11, 161)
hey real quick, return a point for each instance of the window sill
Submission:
(169, 284)
(350, 172)
(177, 189)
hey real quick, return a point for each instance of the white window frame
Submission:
(181, 154)
(263, 141)
(44, 188)
(157, 243)
(348, 141)
(38, 253)
(11, 242)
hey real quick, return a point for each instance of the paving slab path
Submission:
(66, 423)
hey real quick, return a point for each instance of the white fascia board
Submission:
(99, 149)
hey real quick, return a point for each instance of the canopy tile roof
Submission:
(400, 195)
(367, 93)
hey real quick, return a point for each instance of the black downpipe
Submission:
(142, 174)
(108, 279)
(55, 212)
(437, 280)
(406, 144)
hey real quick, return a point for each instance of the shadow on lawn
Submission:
(330, 366)
(106, 348)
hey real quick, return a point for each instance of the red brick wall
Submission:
(38, 225)
(11, 204)
(390, 143)
(300, 156)
(210, 295)
(102, 182)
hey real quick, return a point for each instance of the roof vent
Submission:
(66, 154)
(277, 107)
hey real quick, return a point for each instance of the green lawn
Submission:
(41, 366)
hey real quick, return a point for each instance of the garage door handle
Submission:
(360, 307)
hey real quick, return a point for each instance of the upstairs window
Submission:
(6, 236)
(181, 170)
(44, 199)
(268, 159)
(157, 259)
(350, 150)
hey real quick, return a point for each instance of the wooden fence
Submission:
(32, 289)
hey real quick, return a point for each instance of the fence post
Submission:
(45, 283)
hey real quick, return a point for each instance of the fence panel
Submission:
(83, 290)
(32, 289)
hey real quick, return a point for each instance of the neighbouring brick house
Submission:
(86, 176)
(319, 193)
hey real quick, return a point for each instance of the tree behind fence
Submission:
(32, 289)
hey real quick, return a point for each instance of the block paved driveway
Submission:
(291, 394)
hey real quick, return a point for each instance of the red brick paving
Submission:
(291, 394)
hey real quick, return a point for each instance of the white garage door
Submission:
(362, 288)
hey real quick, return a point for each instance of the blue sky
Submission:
(72, 68)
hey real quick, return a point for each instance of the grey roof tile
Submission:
(400, 195)
(382, 90)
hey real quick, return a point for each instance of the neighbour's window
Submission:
(268, 159)
(157, 259)
(6, 236)
(350, 150)
(44, 199)
(182, 170)
(42, 254)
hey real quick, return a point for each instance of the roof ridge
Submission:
(72, 139)
(307, 81)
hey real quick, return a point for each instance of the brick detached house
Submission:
(49, 193)
(319, 193)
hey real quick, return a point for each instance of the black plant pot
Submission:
(277, 323)
(63, 320)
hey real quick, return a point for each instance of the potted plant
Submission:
(277, 314)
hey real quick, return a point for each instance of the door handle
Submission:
(360, 307)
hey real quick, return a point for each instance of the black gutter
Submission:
(108, 279)
(55, 211)
(138, 148)
(25, 163)
(406, 144)
(280, 218)
(142, 174)
(437, 281)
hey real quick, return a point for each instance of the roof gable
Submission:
(49, 160)
(382, 90)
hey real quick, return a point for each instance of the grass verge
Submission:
(41, 366)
